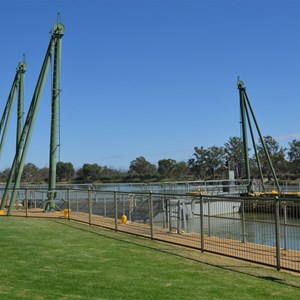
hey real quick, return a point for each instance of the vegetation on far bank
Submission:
(204, 164)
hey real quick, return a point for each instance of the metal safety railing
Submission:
(260, 229)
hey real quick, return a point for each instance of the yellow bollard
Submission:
(124, 219)
(66, 213)
(2, 212)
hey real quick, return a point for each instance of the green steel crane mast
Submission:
(20, 119)
(242, 91)
(20, 110)
(54, 136)
(245, 119)
(23, 145)
(17, 86)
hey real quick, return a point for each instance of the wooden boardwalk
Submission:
(257, 253)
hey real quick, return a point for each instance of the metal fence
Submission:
(264, 230)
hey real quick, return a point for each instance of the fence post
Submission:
(151, 214)
(168, 214)
(277, 232)
(243, 222)
(44, 202)
(208, 217)
(164, 217)
(69, 202)
(285, 227)
(90, 206)
(26, 201)
(202, 224)
(116, 210)
(178, 216)
(77, 203)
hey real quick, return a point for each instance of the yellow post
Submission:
(66, 213)
(124, 219)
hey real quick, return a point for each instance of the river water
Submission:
(258, 228)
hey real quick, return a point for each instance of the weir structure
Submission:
(245, 107)
(23, 138)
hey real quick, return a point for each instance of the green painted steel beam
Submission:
(20, 110)
(9, 104)
(263, 144)
(17, 86)
(242, 91)
(244, 103)
(58, 32)
(20, 113)
(255, 150)
(19, 159)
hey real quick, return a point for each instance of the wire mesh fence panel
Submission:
(175, 221)
(32, 202)
(228, 229)
(136, 208)
(79, 205)
(20, 203)
(258, 228)
(103, 204)
(289, 234)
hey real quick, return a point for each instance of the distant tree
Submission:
(235, 156)
(30, 173)
(166, 167)
(107, 172)
(181, 171)
(197, 164)
(4, 174)
(43, 174)
(254, 171)
(140, 166)
(206, 161)
(64, 171)
(294, 157)
(214, 159)
(276, 153)
(112, 175)
(89, 173)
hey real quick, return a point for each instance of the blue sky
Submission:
(153, 78)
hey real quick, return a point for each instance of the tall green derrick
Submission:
(245, 106)
(53, 50)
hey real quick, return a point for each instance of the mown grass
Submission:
(46, 259)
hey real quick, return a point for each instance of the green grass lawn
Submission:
(46, 259)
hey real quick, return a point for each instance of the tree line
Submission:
(205, 164)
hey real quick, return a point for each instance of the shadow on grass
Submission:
(171, 252)
(271, 278)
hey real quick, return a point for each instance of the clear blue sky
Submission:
(153, 78)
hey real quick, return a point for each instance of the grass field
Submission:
(58, 259)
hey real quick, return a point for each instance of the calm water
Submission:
(259, 229)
